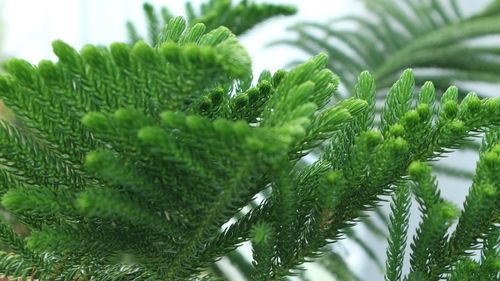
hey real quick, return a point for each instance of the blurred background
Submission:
(27, 28)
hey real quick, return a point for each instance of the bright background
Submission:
(27, 27)
(31, 25)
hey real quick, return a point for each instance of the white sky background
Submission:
(29, 27)
(32, 25)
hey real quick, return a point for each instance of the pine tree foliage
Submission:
(437, 253)
(398, 232)
(239, 17)
(443, 43)
(148, 152)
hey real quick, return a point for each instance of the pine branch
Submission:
(398, 229)
(143, 168)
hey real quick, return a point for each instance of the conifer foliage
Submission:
(441, 40)
(126, 163)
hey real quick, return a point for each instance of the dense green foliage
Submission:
(442, 41)
(128, 162)
(437, 39)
